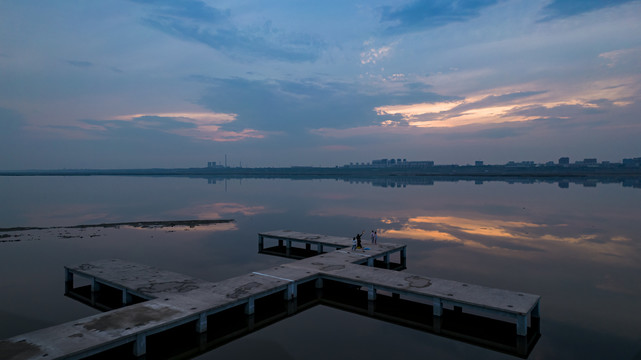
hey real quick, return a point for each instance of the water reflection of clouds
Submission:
(223, 210)
(510, 237)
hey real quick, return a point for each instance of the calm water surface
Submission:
(577, 247)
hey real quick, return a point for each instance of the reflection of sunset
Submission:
(218, 210)
(419, 234)
(478, 227)
(502, 236)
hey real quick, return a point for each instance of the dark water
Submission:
(578, 247)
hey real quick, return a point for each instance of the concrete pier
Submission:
(156, 300)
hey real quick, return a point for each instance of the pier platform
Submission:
(152, 301)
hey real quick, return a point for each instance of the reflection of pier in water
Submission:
(157, 311)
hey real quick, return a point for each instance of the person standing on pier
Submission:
(354, 243)
(374, 237)
(358, 240)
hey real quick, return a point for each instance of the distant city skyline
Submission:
(137, 84)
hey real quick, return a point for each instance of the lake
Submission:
(577, 245)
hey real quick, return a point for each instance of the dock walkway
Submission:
(159, 300)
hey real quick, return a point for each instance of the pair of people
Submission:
(356, 241)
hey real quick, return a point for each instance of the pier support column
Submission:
(249, 307)
(95, 285)
(438, 307)
(261, 243)
(320, 248)
(370, 262)
(140, 345)
(386, 261)
(535, 318)
(288, 251)
(308, 247)
(292, 291)
(371, 293)
(68, 280)
(201, 323)
(319, 283)
(521, 325)
(126, 297)
(404, 257)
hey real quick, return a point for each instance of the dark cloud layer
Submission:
(557, 9)
(189, 9)
(196, 21)
(295, 106)
(427, 14)
(147, 124)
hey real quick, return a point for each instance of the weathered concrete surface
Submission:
(20, 350)
(427, 287)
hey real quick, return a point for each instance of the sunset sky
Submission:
(144, 83)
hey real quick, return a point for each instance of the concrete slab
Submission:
(456, 292)
(139, 278)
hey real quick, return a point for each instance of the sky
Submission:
(167, 83)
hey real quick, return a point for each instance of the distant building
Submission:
(564, 161)
(636, 162)
(589, 161)
(478, 163)
(415, 164)
(400, 163)
(521, 164)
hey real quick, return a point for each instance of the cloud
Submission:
(559, 9)
(625, 58)
(298, 106)
(202, 126)
(199, 126)
(372, 55)
(187, 9)
(427, 14)
(196, 21)
(519, 106)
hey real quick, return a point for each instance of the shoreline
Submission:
(137, 224)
